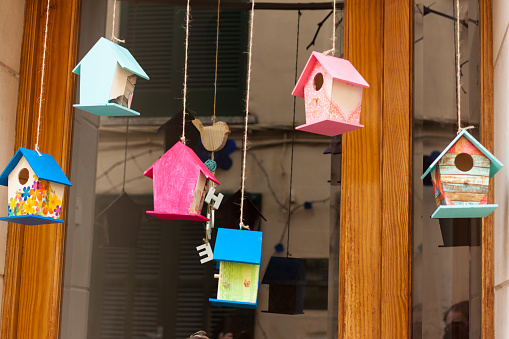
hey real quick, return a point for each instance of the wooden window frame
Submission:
(375, 257)
(376, 219)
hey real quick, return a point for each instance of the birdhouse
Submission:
(173, 131)
(229, 212)
(121, 221)
(35, 185)
(180, 181)
(108, 76)
(460, 177)
(238, 253)
(286, 278)
(332, 92)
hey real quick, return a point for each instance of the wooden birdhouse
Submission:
(460, 177)
(35, 185)
(180, 181)
(229, 212)
(332, 92)
(108, 74)
(238, 253)
(286, 278)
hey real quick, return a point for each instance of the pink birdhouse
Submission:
(332, 92)
(180, 180)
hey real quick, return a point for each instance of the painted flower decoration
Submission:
(26, 193)
(28, 207)
(12, 203)
(35, 185)
(58, 210)
(53, 202)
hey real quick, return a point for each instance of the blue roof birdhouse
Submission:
(35, 185)
(107, 79)
(238, 253)
(460, 177)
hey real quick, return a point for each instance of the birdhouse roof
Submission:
(338, 68)
(495, 164)
(121, 54)
(44, 166)
(238, 246)
(179, 147)
(285, 271)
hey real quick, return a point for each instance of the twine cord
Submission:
(125, 153)
(293, 138)
(184, 92)
(217, 54)
(43, 72)
(244, 151)
(334, 27)
(457, 46)
(113, 37)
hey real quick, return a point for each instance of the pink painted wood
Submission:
(176, 182)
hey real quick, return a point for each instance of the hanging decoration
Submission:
(35, 182)
(286, 278)
(238, 253)
(180, 181)
(332, 92)
(173, 131)
(229, 212)
(108, 74)
(461, 173)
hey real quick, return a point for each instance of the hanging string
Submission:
(217, 54)
(113, 37)
(333, 50)
(43, 72)
(244, 151)
(293, 138)
(125, 154)
(458, 67)
(183, 138)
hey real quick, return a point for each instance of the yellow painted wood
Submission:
(213, 137)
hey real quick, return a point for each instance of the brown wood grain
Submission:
(34, 260)
(361, 219)
(375, 272)
(397, 170)
(487, 131)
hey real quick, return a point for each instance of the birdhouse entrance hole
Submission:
(318, 81)
(464, 162)
(23, 176)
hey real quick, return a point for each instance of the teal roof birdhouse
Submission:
(108, 75)
(460, 177)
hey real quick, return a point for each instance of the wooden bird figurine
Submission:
(213, 137)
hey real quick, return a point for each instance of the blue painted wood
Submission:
(238, 246)
(110, 109)
(44, 166)
(480, 171)
(457, 188)
(32, 220)
(229, 303)
(479, 211)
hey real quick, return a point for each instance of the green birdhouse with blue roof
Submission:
(461, 176)
(108, 74)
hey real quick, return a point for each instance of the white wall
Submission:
(501, 76)
(11, 32)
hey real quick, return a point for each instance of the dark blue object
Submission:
(221, 157)
(308, 205)
(279, 248)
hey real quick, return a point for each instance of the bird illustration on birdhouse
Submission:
(180, 181)
(238, 253)
(229, 212)
(460, 177)
(35, 185)
(332, 92)
(213, 137)
(108, 74)
(286, 278)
